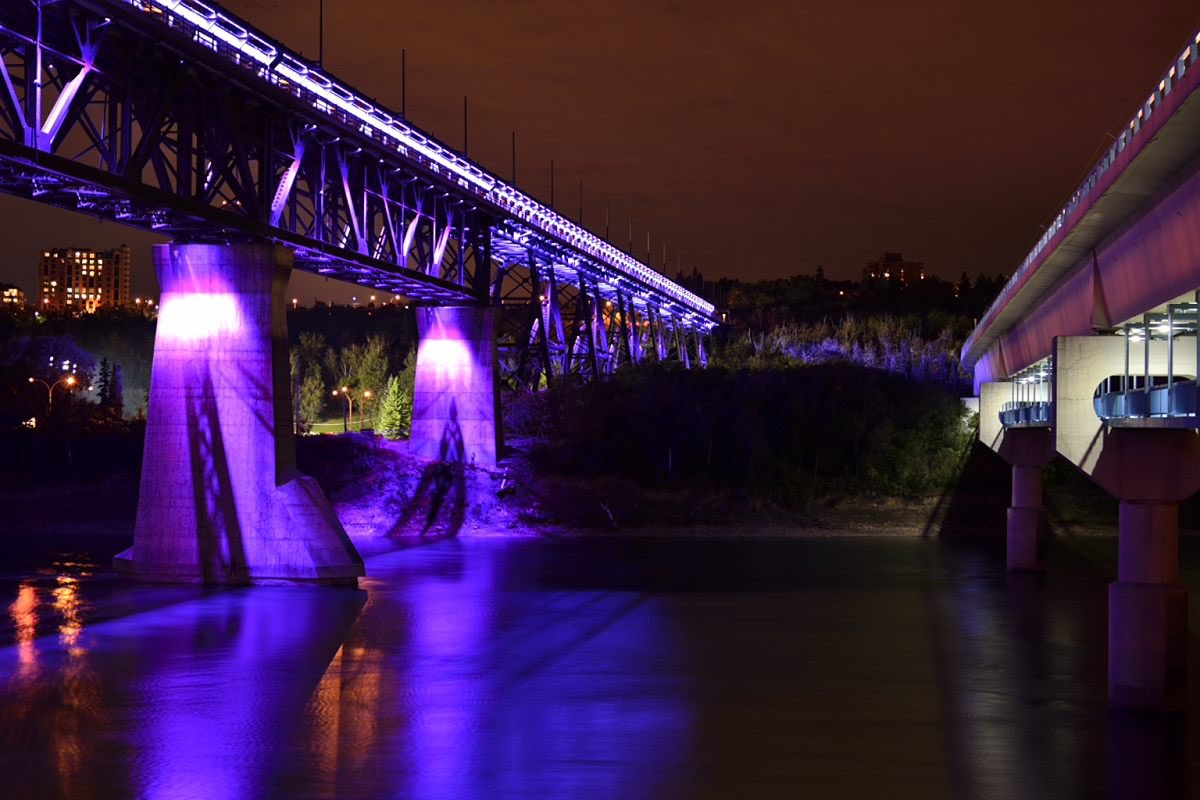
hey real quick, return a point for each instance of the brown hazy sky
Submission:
(758, 139)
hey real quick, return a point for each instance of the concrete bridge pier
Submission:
(1027, 450)
(221, 500)
(1147, 611)
(456, 405)
(1025, 515)
(1150, 470)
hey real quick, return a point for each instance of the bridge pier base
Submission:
(221, 500)
(1027, 450)
(456, 405)
(1024, 545)
(1147, 612)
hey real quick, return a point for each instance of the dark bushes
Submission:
(787, 434)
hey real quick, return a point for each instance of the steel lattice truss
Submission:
(173, 116)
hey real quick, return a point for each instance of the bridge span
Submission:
(177, 117)
(1090, 353)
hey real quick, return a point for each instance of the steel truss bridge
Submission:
(176, 117)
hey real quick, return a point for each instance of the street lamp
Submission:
(345, 392)
(68, 380)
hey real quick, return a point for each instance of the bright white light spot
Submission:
(194, 317)
(449, 358)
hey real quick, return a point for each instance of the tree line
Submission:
(364, 380)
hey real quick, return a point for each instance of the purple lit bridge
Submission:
(176, 117)
(1090, 353)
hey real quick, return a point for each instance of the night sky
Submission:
(757, 139)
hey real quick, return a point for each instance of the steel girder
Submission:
(125, 110)
(97, 118)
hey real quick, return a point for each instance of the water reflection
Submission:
(582, 669)
(67, 604)
(23, 612)
(193, 699)
(1020, 693)
(449, 687)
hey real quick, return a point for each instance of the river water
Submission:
(602, 668)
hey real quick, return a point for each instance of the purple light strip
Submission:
(211, 26)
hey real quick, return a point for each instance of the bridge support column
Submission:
(1024, 547)
(221, 500)
(1147, 612)
(1149, 470)
(456, 405)
(1027, 450)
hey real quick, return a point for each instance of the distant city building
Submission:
(11, 296)
(892, 267)
(76, 280)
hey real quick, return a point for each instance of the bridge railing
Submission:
(1146, 393)
(1184, 62)
(1029, 414)
(242, 45)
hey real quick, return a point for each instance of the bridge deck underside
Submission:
(133, 111)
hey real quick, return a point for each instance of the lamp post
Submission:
(50, 387)
(362, 402)
(345, 392)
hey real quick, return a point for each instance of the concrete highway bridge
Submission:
(1090, 353)
(177, 117)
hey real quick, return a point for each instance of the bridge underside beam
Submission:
(221, 500)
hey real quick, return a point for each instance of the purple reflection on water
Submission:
(444, 685)
(581, 669)
(501, 692)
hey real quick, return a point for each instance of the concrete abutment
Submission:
(221, 500)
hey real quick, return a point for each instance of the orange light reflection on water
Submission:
(68, 606)
(23, 612)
